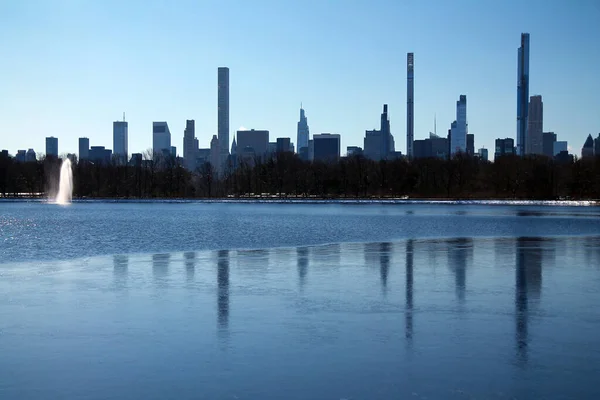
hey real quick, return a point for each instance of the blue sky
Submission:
(69, 68)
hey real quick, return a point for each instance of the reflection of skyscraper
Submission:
(190, 265)
(302, 257)
(120, 266)
(409, 289)
(458, 254)
(160, 267)
(384, 263)
(528, 285)
(223, 289)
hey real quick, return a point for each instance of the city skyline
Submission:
(265, 90)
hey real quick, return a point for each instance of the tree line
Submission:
(285, 175)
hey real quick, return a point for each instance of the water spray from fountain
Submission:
(65, 191)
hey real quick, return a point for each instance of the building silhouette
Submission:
(51, 146)
(534, 143)
(458, 136)
(587, 150)
(548, 140)
(326, 147)
(252, 143)
(302, 134)
(354, 151)
(30, 156)
(410, 118)
(283, 145)
(434, 146)
(470, 144)
(190, 145)
(504, 147)
(215, 154)
(597, 146)
(522, 94)
(84, 148)
(120, 142)
(483, 154)
(223, 111)
(161, 138)
(100, 155)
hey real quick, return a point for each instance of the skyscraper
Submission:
(588, 148)
(385, 134)
(120, 141)
(410, 130)
(84, 148)
(215, 154)
(326, 147)
(522, 94)
(534, 140)
(470, 144)
(223, 111)
(458, 139)
(190, 145)
(51, 146)
(548, 140)
(303, 131)
(161, 138)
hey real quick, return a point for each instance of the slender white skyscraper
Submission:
(223, 110)
(410, 118)
(120, 140)
(303, 131)
(458, 136)
(522, 94)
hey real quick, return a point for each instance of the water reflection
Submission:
(223, 290)
(160, 268)
(460, 250)
(302, 262)
(384, 264)
(409, 290)
(120, 270)
(190, 265)
(528, 284)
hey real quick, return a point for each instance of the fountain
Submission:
(65, 191)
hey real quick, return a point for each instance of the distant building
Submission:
(588, 148)
(459, 128)
(563, 157)
(378, 144)
(354, 151)
(535, 126)
(434, 146)
(326, 147)
(120, 142)
(303, 132)
(522, 93)
(84, 149)
(215, 153)
(223, 111)
(161, 138)
(190, 145)
(257, 140)
(30, 156)
(272, 148)
(174, 151)
(597, 146)
(283, 145)
(136, 159)
(21, 156)
(470, 144)
(311, 150)
(548, 140)
(303, 154)
(100, 155)
(483, 154)
(410, 133)
(51, 146)
(504, 147)
(203, 156)
(4, 154)
(560, 146)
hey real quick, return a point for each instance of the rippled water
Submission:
(242, 301)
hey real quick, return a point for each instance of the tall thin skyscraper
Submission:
(161, 139)
(303, 131)
(535, 126)
(385, 134)
(410, 127)
(223, 110)
(84, 148)
(458, 138)
(523, 94)
(190, 145)
(120, 140)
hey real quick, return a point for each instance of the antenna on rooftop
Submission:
(434, 123)
(123, 116)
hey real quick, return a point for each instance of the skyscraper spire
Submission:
(410, 130)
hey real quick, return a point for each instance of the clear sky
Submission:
(68, 68)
